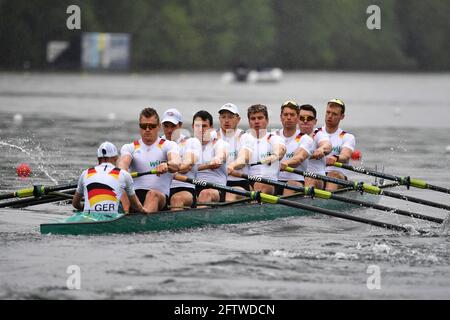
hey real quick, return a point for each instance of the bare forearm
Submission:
(76, 201)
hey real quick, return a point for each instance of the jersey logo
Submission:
(115, 173)
(342, 134)
(91, 172)
(99, 192)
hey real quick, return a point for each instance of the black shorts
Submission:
(279, 189)
(222, 193)
(142, 193)
(190, 190)
(239, 183)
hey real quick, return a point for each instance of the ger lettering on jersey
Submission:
(102, 187)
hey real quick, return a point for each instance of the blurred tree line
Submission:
(217, 34)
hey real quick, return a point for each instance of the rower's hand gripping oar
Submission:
(259, 196)
(406, 181)
(328, 195)
(361, 186)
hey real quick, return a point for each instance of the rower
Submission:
(212, 163)
(261, 150)
(342, 142)
(182, 194)
(149, 153)
(299, 147)
(229, 132)
(103, 185)
(321, 144)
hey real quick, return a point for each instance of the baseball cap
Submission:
(107, 150)
(172, 115)
(230, 107)
(337, 101)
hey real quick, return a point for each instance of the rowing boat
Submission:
(240, 211)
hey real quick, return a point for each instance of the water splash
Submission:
(40, 166)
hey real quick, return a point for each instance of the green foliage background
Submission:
(216, 34)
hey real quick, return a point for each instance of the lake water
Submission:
(401, 122)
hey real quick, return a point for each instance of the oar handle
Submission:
(140, 174)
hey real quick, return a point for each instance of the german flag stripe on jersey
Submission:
(115, 173)
(161, 142)
(91, 172)
(99, 192)
(298, 137)
(342, 134)
(136, 144)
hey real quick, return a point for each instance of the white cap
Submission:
(230, 107)
(107, 150)
(172, 115)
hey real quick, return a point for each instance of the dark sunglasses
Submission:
(306, 118)
(145, 126)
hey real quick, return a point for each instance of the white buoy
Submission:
(18, 118)
(447, 149)
(112, 116)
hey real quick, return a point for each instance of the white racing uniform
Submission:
(102, 187)
(209, 152)
(296, 141)
(234, 146)
(146, 158)
(318, 165)
(339, 140)
(263, 148)
(188, 145)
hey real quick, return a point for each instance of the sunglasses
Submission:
(306, 118)
(145, 126)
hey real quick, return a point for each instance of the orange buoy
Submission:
(356, 155)
(23, 170)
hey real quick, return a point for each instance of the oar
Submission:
(277, 200)
(406, 181)
(39, 190)
(140, 174)
(36, 191)
(35, 201)
(328, 195)
(360, 186)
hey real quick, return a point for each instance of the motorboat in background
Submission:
(244, 74)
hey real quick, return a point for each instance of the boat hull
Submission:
(183, 219)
